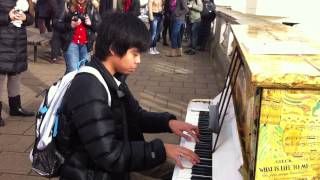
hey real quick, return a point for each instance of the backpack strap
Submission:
(96, 73)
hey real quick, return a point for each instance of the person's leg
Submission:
(48, 24)
(166, 24)
(72, 57)
(175, 35)
(2, 79)
(163, 172)
(55, 45)
(207, 28)
(194, 37)
(153, 31)
(181, 27)
(84, 55)
(158, 31)
(204, 32)
(13, 86)
(41, 25)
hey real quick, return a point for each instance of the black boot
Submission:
(16, 109)
(1, 120)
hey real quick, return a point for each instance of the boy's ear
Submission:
(112, 52)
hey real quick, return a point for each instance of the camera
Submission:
(17, 11)
(80, 16)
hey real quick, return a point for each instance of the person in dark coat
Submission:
(13, 55)
(44, 15)
(107, 143)
(105, 6)
(129, 6)
(58, 7)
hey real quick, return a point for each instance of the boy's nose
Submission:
(138, 60)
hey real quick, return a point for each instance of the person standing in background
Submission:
(105, 6)
(129, 6)
(78, 26)
(178, 21)
(13, 55)
(155, 18)
(195, 7)
(44, 15)
(58, 7)
(166, 23)
(207, 17)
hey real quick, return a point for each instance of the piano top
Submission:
(278, 56)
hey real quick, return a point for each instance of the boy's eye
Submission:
(135, 54)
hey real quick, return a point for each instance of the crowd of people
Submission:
(103, 142)
(184, 19)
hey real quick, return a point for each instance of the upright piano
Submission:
(268, 122)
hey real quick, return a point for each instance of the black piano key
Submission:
(205, 162)
(200, 178)
(205, 148)
(202, 171)
(204, 151)
(204, 155)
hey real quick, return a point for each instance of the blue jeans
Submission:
(155, 29)
(176, 35)
(74, 55)
(194, 34)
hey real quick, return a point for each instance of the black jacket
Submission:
(13, 41)
(63, 25)
(107, 143)
(105, 5)
(135, 8)
(44, 9)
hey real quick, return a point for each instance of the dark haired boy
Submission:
(107, 143)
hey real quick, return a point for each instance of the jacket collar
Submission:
(95, 63)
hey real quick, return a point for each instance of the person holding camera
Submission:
(78, 26)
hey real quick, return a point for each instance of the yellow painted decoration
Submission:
(289, 135)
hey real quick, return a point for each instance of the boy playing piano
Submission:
(107, 143)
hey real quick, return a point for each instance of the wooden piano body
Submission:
(276, 99)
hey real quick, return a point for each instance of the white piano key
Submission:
(189, 145)
(199, 105)
(192, 118)
(185, 174)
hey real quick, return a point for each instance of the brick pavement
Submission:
(160, 84)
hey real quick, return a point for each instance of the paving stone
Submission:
(157, 89)
(182, 90)
(15, 143)
(16, 127)
(21, 177)
(13, 162)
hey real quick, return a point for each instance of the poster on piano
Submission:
(289, 135)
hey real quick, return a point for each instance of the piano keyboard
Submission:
(203, 148)
(226, 161)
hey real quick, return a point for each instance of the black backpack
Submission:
(209, 9)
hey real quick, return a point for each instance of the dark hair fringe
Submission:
(120, 32)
